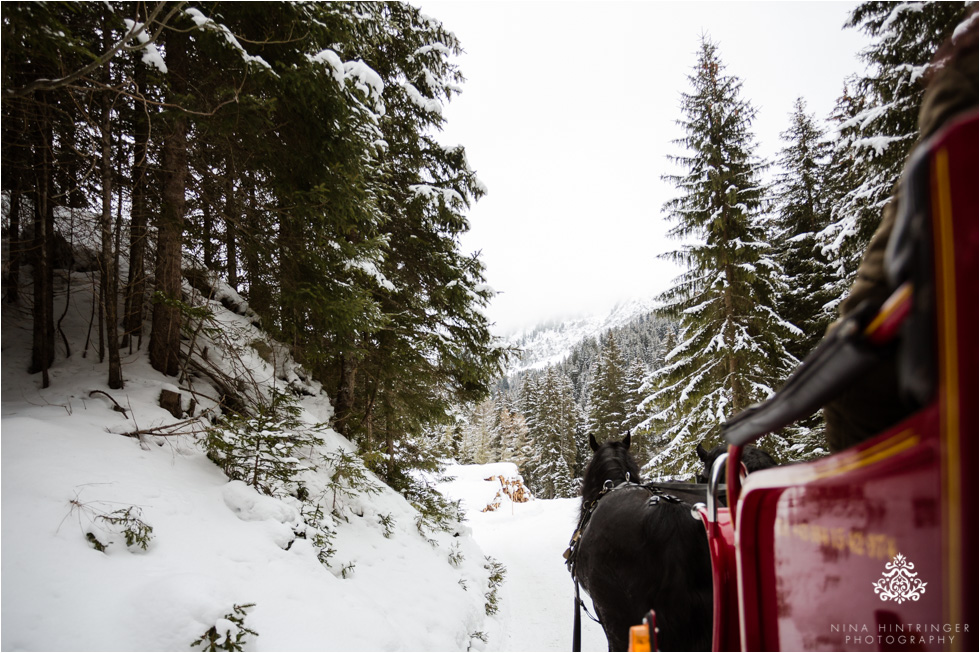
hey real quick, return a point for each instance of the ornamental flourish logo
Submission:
(899, 583)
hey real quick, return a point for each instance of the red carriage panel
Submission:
(873, 548)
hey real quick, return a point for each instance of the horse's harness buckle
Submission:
(658, 494)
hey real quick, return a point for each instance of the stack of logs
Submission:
(513, 488)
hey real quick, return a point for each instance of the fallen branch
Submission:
(164, 430)
(117, 407)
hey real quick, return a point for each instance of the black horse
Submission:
(753, 458)
(640, 551)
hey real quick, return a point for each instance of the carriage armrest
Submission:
(839, 359)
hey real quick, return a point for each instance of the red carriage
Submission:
(870, 548)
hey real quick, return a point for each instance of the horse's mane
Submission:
(611, 461)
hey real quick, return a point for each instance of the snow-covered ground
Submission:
(529, 539)
(68, 465)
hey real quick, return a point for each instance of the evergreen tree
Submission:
(880, 113)
(840, 245)
(802, 213)
(636, 375)
(553, 421)
(528, 402)
(733, 340)
(609, 394)
(479, 434)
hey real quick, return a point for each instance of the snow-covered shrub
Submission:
(104, 526)
(319, 531)
(387, 523)
(455, 555)
(127, 521)
(348, 478)
(347, 570)
(497, 572)
(228, 633)
(265, 451)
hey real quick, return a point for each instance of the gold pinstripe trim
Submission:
(901, 295)
(886, 449)
(949, 425)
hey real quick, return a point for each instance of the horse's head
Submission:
(753, 458)
(611, 461)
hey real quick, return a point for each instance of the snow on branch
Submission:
(151, 55)
(430, 192)
(428, 105)
(204, 22)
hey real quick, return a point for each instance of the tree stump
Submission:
(170, 401)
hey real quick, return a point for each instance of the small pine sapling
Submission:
(388, 524)
(497, 573)
(455, 555)
(228, 633)
(348, 478)
(127, 522)
(136, 531)
(265, 450)
(475, 637)
(347, 570)
(319, 533)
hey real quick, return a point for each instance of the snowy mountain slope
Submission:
(68, 471)
(550, 343)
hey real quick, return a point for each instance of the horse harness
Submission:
(659, 494)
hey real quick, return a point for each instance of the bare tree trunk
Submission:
(13, 238)
(231, 219)
(344, 404)
(165, 329)
(108, 266)
(136, 283)
(369, 418)
(389, 444)
(246, 239)
(207, 237)
(42, 351)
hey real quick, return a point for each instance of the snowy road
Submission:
(536, 606)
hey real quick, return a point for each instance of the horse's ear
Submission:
(702, 454)
(593, 443)
(626, 440)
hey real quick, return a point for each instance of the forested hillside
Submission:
(287, 152)
(770, 248)
(286, 149)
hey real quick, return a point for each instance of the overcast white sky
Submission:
(568, 114)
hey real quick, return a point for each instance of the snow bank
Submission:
(214, 544)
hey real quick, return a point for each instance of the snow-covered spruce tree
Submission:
(801, 213)
(552, 431)
(733, 341)
(513, 436)
(877, 116)
(479, 433)
(608, 394)
(433, 347)
(839, 244)
(267, 451)
(528, 400)
(636, 375)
